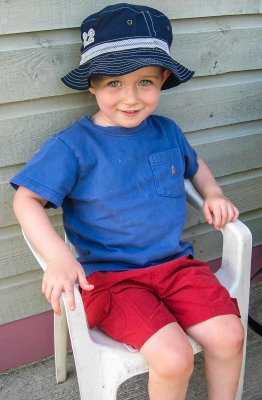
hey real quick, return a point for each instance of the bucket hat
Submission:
(122, 38)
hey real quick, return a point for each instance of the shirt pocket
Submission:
(168, 172)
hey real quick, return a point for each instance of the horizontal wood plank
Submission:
(23, 134)
(211, 102)
(220, 48)
(23, 299)
(244, 191)
(232, 155)
(15, 253)
(54, 14)
(220, 105)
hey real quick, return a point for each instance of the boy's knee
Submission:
(177, 363)
(235, 337)
(228, 340)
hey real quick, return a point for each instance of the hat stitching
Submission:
(112, 60)
(147, 24)
(183, 72)
(152, 24)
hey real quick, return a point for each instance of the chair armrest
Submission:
(77, 317)
(77, 323)
(192, 195)
(234, 272)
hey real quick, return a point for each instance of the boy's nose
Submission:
(130, 95)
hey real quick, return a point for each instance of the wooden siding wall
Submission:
(220, 110)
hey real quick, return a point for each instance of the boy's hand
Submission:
(219, 210)
(60, 276)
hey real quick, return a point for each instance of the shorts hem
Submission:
(191, 323)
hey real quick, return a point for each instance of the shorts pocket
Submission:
(97, 307)
(168, 172)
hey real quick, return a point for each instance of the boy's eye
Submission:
(114, 84)
(144, 82)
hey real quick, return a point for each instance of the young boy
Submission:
(119, 177)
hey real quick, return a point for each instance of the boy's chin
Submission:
(121, 120)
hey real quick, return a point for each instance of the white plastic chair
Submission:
(102, 364)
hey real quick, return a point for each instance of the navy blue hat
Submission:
(121, 39)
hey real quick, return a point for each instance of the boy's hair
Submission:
(123, 38)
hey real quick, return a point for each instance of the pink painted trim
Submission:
(31, 339)
(26, 340)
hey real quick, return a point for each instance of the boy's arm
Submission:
(218, 209)
(62, 270)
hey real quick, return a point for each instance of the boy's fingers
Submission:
(208, 214)
(217, 217)
(83, 283)
(48, 292)
(231, 214)
(70, 298)
(224, 215)
(219, 213)
(235, 213)
(55, 301)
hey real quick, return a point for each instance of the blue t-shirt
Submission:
(121, 190)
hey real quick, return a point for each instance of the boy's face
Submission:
(127, 100)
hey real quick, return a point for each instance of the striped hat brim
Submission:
(124, 62)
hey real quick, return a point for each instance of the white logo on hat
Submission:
(88, 37)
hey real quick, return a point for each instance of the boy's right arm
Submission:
(62, 268)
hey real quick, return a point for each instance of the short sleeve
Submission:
(51, 173)
(189, 155)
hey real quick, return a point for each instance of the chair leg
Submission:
(60, 344)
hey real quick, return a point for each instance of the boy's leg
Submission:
(207, 313)
(133, 314)
(222, 340)
(170, 359)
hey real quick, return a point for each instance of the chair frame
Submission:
(102, 364)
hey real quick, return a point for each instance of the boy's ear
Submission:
(91, 88)
(166, 73)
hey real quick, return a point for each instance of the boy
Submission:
(119, 176)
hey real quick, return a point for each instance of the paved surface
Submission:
(37, 381)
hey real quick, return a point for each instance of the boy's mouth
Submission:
(130, 113)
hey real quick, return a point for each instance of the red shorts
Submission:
(130, 306)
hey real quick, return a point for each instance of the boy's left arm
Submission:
(218, 209)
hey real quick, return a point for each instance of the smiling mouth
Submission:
(130, 112)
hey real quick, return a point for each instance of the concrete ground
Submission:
(36, 381)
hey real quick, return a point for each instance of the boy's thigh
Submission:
(198, 295)
(131, 314)
(219, 332)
